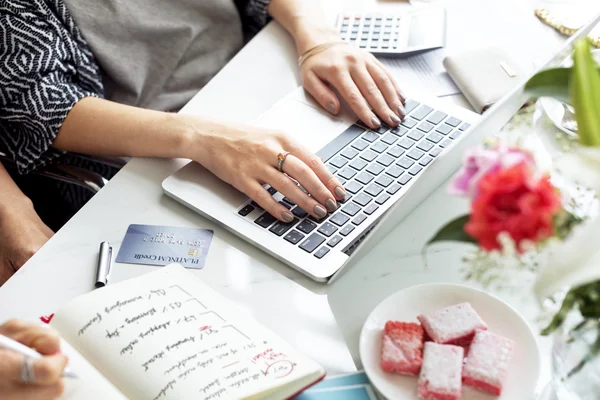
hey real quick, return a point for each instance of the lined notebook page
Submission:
(167, 335)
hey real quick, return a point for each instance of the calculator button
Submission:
(375, 169)
(379, 147)
(415, 154)
(339, 162)
(349, 153)
(409, 123)
(425, 145)
(435, 152)
(396, 151)
(453, 122)
(464, 126)
(384, 180)
(436, 117)
(422, 112)
(434, 137)
(405, 162)
(444, 129)
(385, 160)
(410, 105)
(347, 173)
(445, 143)
(394, 171)
(353, 187)
(455, 134)
(425, 127)
(364, 178)
(360, 145)
(389, 139)
(368, 155)
(415, 135)
(370, 136)
(406, 143)
(359, 164)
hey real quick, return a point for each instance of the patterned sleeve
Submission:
(254, 15)
(45, 69)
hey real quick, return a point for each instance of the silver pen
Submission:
(104, 263)
(9, 344)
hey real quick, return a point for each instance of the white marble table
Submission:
(319, 320)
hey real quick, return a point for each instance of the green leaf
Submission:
(585, 93)
(454, 231)
(550, 83)
(559, 318)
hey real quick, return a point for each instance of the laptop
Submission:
(387, 173)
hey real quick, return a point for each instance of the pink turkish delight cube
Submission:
(402, 348)
(452, 325)
(486, 366)
(441, 373)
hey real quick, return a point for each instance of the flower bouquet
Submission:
(518, 211)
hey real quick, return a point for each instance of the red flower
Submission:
(512, 201)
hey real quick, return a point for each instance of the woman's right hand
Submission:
(22, 233)
(47, 371)
(246, 158)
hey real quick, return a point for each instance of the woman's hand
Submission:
(47, 371)
(246, 158)
(361, 80)
(22, 233)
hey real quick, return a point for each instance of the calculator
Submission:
(390, 34)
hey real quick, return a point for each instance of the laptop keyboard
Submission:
(373, 165)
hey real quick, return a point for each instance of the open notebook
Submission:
(166, 335)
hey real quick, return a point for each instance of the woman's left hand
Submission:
(361, 79)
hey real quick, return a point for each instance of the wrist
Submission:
(309, 34)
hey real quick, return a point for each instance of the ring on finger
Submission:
(27, 373)
(281, 159)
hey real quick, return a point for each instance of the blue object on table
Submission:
(347, 387)
(162, 245)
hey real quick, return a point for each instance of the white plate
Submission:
(406, 304)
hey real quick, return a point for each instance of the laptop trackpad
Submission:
(308, 125)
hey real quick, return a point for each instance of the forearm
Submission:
(9, 192)
(104, 128)
(305, 20)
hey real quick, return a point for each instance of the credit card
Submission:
(163, 245)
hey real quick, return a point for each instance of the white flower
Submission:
(581, 165)
(570, 263)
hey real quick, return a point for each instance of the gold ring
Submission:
(281, 159)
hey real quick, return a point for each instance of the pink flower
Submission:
(479, 162)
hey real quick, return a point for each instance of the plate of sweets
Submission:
(449, 342)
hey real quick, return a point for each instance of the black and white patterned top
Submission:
(46, 67)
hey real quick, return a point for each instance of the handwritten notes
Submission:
(165, 335)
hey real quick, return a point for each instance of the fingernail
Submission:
(331, 108)
(287, 216)
(340, 192)
(331, 206)
(320, 211)
(375, 122)
(402, 97)
(395, 119)
(401, 111)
